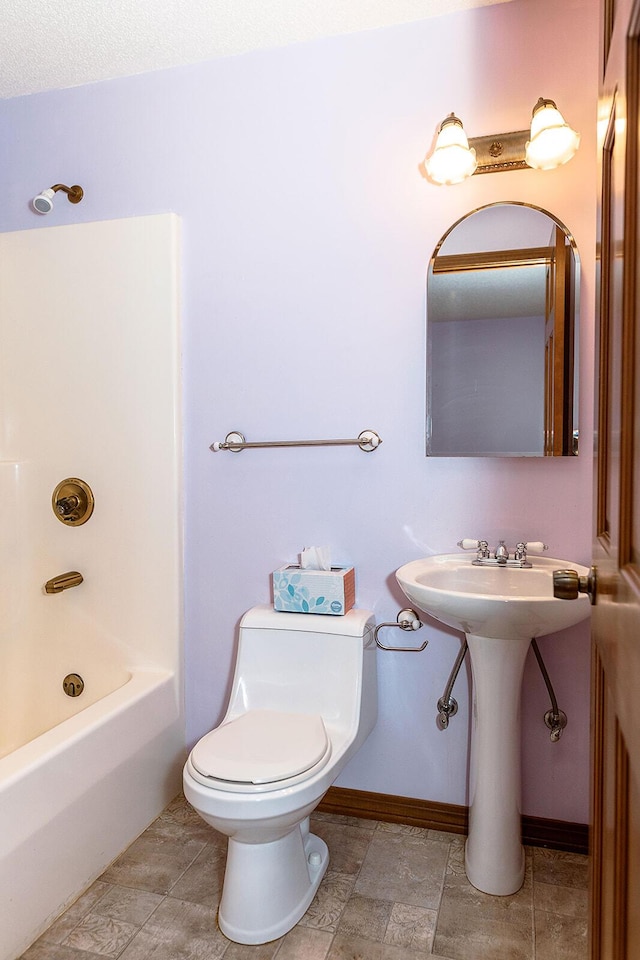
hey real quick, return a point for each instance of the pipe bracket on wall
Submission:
(555, 718)
(448, 705)
(73, 501)
(367, 440)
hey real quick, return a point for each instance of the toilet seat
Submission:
(262, 747)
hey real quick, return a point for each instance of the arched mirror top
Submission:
(502, 330)
(496, 226)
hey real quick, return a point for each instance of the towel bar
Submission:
(368, 441)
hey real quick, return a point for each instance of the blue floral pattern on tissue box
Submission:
(310, 591)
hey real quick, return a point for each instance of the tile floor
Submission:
(391, 892)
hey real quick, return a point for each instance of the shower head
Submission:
(43, 203)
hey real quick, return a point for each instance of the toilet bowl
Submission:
(303, 700)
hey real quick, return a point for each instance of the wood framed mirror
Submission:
(502, 335)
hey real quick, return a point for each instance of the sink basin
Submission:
(491, 601)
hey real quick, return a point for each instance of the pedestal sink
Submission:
(500, 609)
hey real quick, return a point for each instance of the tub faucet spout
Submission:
(63, 582)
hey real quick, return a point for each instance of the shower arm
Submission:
(74, 194)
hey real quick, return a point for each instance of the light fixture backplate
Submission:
(501, 151)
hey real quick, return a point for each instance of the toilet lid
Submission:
(262, 746)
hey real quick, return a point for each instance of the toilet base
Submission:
(269, 886)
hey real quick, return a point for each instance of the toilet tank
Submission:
(307, 663)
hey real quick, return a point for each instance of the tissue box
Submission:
(314, 591)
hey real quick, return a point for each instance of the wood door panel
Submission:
(633, 880)
(615, 888)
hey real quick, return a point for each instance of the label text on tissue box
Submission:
(314, 591)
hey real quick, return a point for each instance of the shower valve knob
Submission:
(72, 502)
(67, 505)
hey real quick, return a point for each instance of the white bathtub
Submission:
(75, 796)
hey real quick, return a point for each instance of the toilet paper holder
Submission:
(407, 619)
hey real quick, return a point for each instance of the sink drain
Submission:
(73, 684)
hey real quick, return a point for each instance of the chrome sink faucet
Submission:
(501, 556)
(501, 553)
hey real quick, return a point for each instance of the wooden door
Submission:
(615, 888)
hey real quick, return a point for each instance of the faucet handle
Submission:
(469, 544)
(536, 546)
(480, 546)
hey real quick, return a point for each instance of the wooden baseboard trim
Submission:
(556, 834)
(536, 831)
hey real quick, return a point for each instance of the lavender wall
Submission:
(307, 231)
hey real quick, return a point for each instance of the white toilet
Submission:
(304, 699)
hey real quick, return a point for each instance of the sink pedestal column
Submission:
(494, 857)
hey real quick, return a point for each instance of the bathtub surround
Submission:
(307, 234)
(80, 777)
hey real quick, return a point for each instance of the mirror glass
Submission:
(502, 334)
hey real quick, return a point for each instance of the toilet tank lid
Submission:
(355, 623)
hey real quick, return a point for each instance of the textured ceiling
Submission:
(52, 44)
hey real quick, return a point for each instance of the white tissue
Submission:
(316, 558)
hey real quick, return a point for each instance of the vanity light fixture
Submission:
(452, 160)
(553, 141)
(548, 143)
